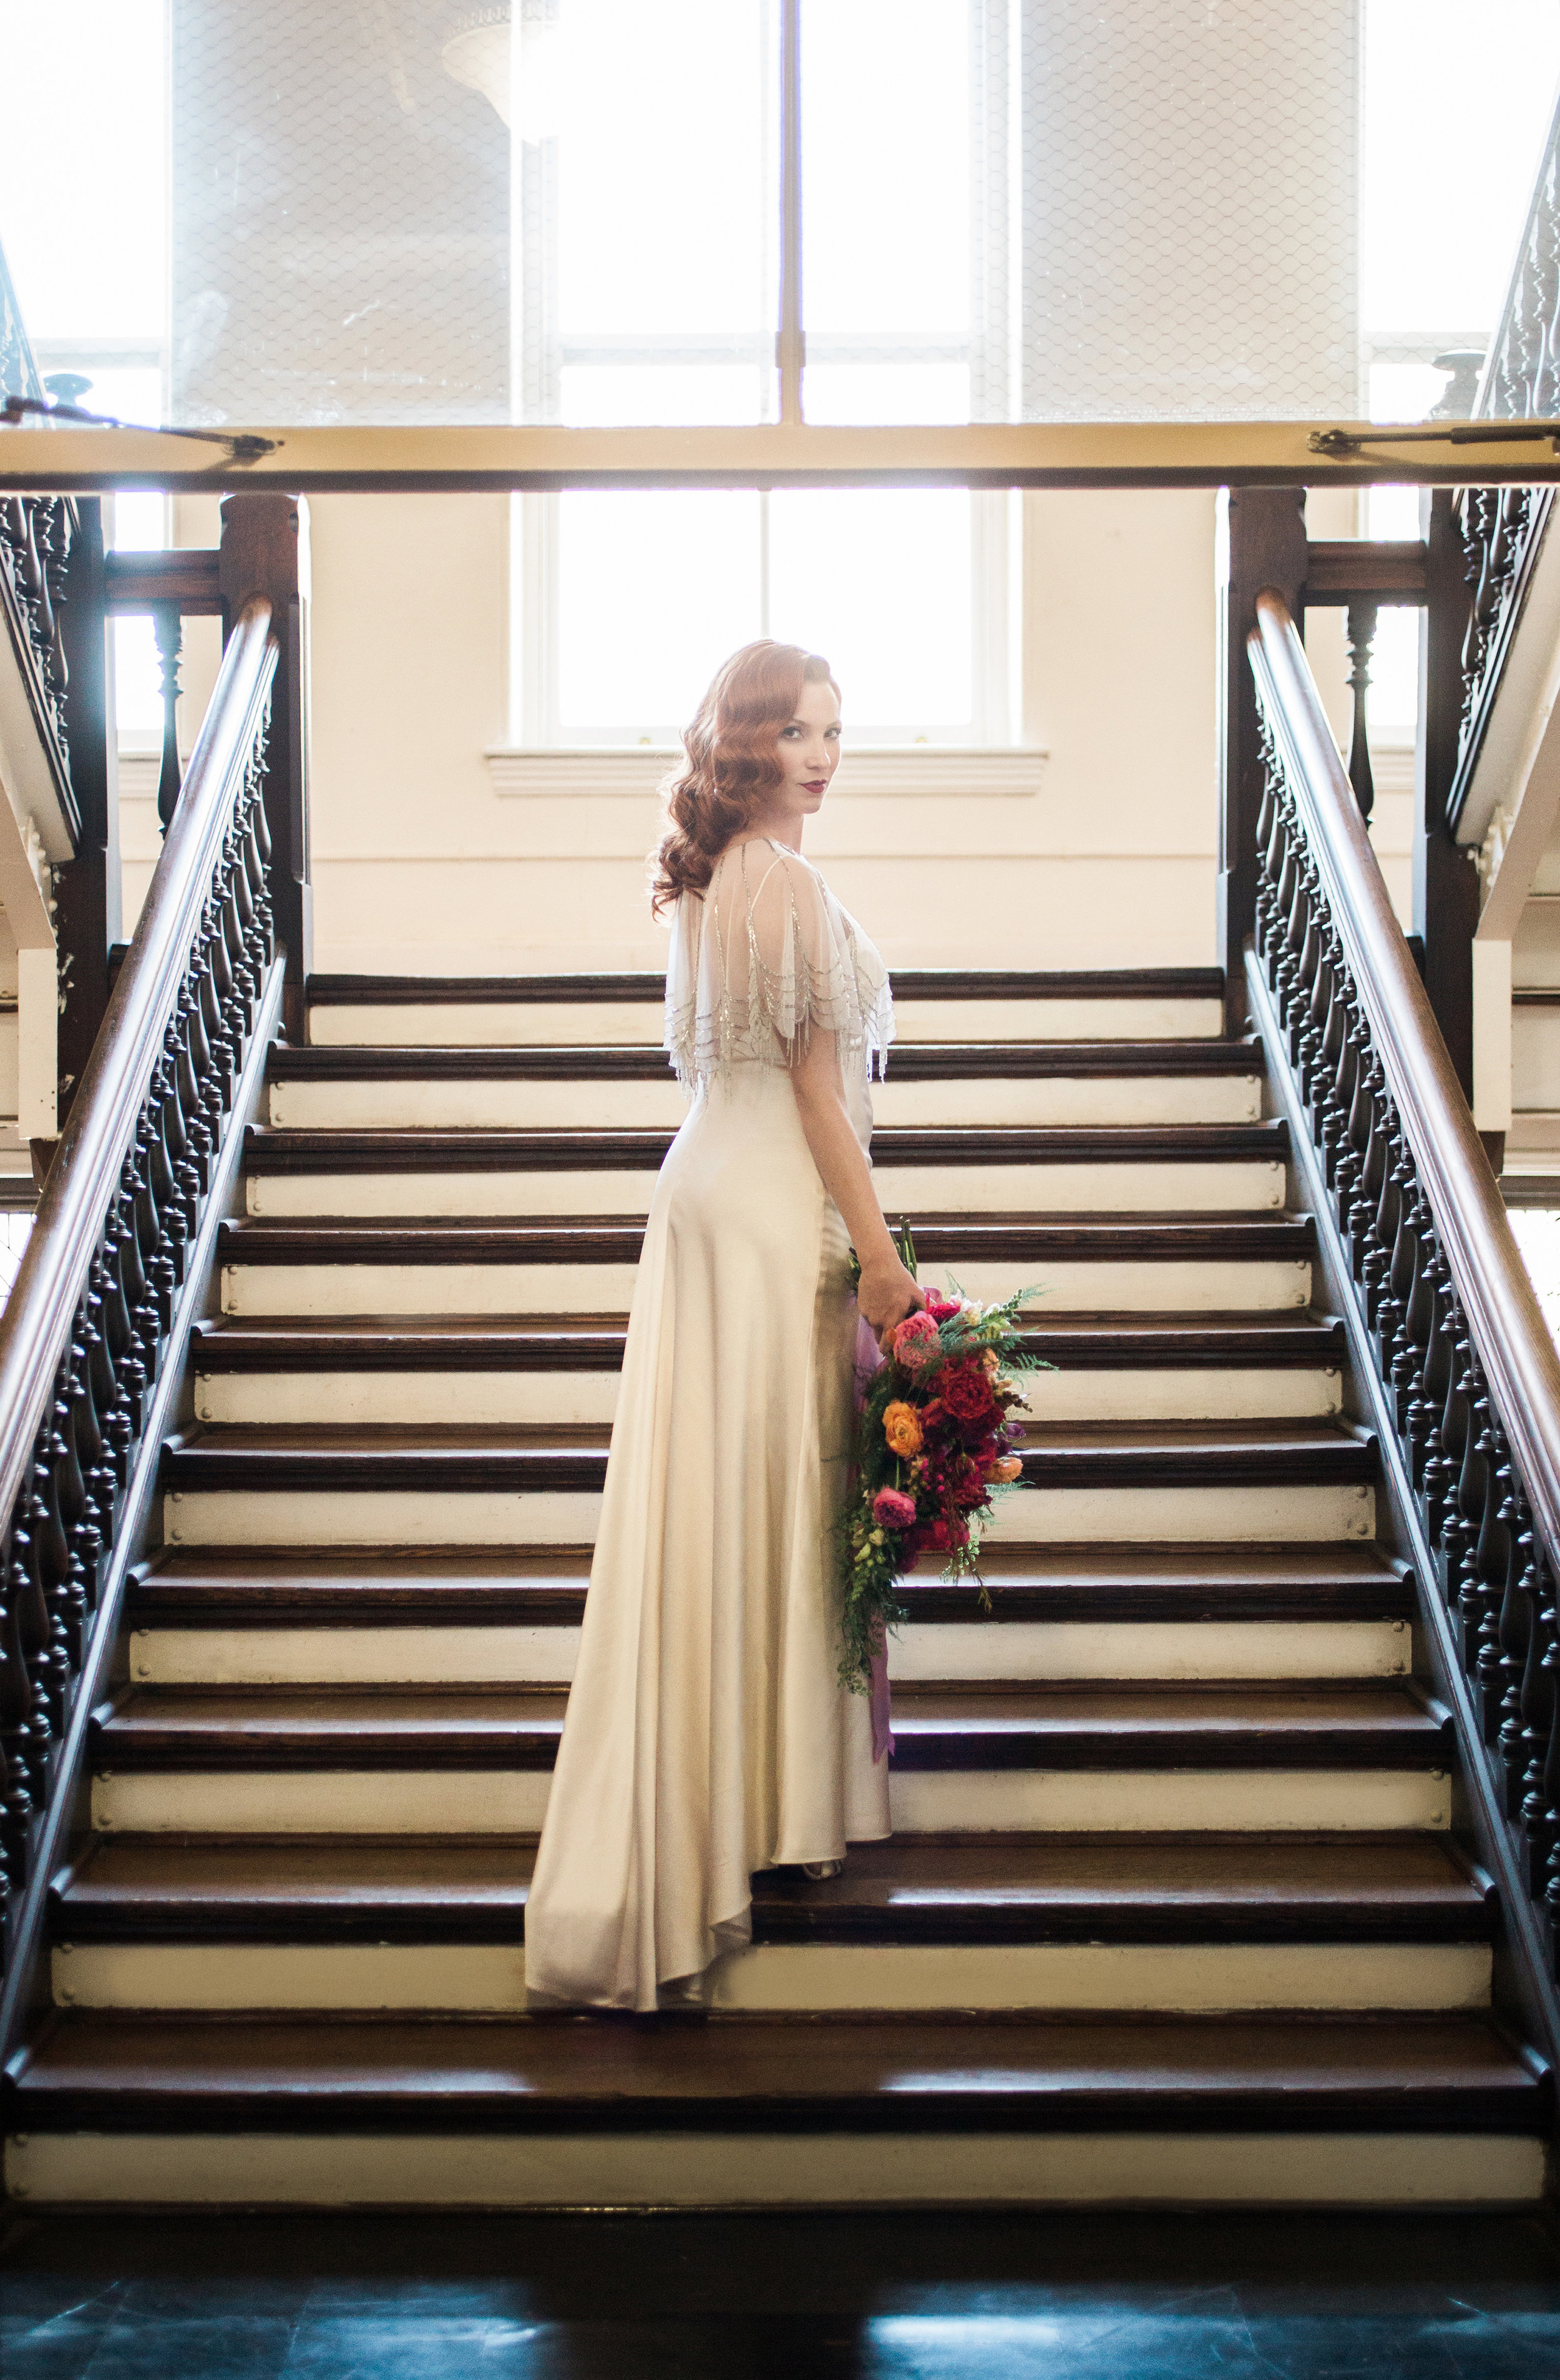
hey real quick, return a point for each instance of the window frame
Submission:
(542, 353)
(994, 627)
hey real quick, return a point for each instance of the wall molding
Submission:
(944, 771)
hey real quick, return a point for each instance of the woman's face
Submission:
(808, 749)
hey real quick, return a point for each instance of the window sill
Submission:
(942, 770)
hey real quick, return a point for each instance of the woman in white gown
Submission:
(707, 1734)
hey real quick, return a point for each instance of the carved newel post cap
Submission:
(1456, 400)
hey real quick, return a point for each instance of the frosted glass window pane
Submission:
(1458, 99)
(663, 179)
(654, 590)
(867, 392)
(885, 165)
(138, 680)
(1188, 203)
(83, 167)
(878, 579)
(609, 396)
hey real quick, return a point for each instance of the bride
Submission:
(707, 1733)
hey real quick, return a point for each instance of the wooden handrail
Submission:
(84, 1176)
(1506, 1322)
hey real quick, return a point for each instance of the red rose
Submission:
(944, 1535)
(966, 1389)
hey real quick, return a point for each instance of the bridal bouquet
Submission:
(935, 1440)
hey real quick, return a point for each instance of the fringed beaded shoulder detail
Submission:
(764, 955)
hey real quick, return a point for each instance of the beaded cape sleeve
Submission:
(763, 956)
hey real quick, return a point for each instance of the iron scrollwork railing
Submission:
(37, 534)
(1469, 1374)
(85, 1330)
(1502, 529)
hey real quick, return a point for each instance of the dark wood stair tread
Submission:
(1399, 1888)
(547, 1587)
(238, 1458)
(910, 1062)
(595, 1342)
(277, 1150)
(336, 990)
(581, 2074)
(1018, 1240)
(1022, 1726)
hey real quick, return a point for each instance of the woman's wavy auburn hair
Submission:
(734, 764)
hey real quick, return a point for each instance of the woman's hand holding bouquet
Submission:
(936, 1443)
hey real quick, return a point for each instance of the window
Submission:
(665, 311)
(626, 605)
(1443, 205)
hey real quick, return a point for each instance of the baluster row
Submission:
(68, 1512)
(1499, 1588)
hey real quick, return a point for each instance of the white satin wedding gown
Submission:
(707, 1734)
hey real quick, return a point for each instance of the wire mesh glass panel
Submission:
(340, 217)
(428, 211)
(1188, 208)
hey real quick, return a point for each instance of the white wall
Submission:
(419, 865)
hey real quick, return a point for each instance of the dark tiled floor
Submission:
(917, 2298)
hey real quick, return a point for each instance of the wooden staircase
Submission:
(1175, 1909)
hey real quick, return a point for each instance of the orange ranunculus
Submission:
(902, 1428)
(1009, 1468)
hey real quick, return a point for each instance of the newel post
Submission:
(1445, 877)
(1262, 544)
(87, 891)
(265, 552)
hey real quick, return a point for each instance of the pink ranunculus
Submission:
(893, 1508)
(915, 1341)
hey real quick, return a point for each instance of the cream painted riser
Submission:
(552, 1105)
(366, 1399)
(619, 1024)
(1300, 2170)
(1000, 1652)
(1003, 1801)
(481, 1978)
(1065, 1286)
(1230, 1186)
(1324, 1514)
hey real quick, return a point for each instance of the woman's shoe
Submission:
(821, 1870)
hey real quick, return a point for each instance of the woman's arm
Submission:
(887, 1291)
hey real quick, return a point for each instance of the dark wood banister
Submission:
(1512, 1338)
(84, 1174)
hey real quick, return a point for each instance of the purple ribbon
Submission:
(870, 1359)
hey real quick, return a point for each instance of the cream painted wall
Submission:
(419, 865)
